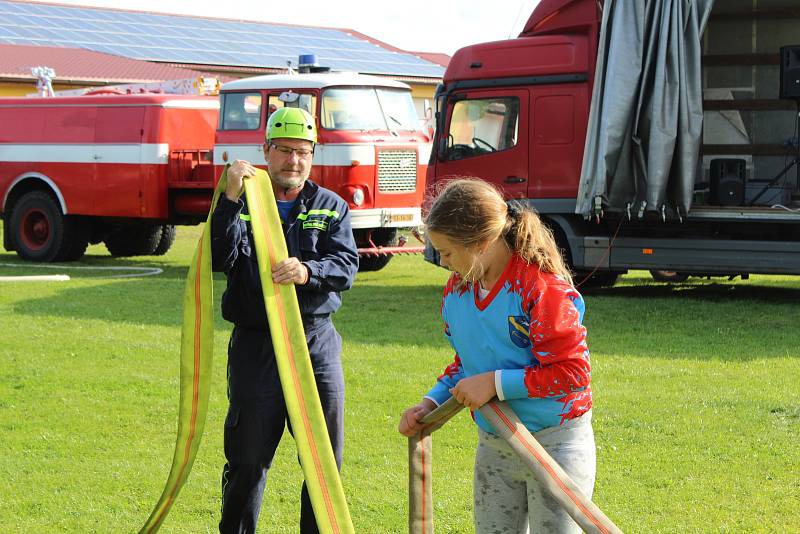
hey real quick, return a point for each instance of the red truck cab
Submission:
(371, 148)
(514, 112)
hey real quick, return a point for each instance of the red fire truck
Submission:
(594, 116)
(124, 169)
(371, 148)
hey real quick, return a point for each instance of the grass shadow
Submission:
(400, 305)
(737, 322)
(706, 292)
(373, 311)
(150, 300)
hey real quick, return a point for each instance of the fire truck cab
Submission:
(371, 148)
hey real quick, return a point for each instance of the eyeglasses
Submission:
(287, 150)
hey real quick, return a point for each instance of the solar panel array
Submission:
(202, 41)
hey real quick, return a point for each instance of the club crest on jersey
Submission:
(519, 330)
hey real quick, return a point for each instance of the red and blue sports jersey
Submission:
(528, 329)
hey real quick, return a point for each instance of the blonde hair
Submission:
(471, 212)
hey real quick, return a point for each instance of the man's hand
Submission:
(410, 420)
(239, 170)
(475, 391)
(290, 271)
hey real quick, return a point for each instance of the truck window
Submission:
(306, 102)
(398, 107)
(481, 126)
(241, 111)
(352, 109)
(368, 108)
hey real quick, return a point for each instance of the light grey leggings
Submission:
(507, 496)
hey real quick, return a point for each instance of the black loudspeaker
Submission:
(726, 181)
(790, 72)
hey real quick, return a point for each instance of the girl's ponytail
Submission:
(529, 237)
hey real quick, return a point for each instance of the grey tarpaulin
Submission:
(643, 139)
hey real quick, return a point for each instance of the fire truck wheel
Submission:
(135, 240)
(381, 237)
(167, 239)
(40, 232)
(372, 263)
(79, 228)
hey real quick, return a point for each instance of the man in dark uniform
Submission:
(322, 262)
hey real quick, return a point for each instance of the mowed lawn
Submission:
(697, 402)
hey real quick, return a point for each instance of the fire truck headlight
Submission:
(358, 197)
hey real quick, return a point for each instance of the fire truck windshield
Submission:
(368, 108)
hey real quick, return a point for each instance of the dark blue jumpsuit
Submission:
(318, 232)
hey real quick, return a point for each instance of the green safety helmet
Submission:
(291, 123)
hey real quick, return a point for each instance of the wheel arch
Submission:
(32, 181)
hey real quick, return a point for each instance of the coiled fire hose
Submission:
(546, 470)
(291, 352)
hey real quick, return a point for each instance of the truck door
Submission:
(484, 137)
(241, 128)
(559, 114)
(120, 157)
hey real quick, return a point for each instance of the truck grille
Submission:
(397, 171)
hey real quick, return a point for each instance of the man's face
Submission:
(289, 161)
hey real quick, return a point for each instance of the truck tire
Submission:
(40, 232)
(668, 276)
(80, 240)
(382, 237)
(136, 240)
(167, 239)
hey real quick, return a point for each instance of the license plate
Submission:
(406, 217)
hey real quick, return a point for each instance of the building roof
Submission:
(199, 41)
(75, 64)
(434, 57)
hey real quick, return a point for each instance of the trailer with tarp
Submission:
(658, 135)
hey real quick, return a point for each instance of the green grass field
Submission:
(697, 404)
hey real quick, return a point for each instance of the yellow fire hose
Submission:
(291, 352)
(546, 470)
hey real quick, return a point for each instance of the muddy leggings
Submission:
(509, 500)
